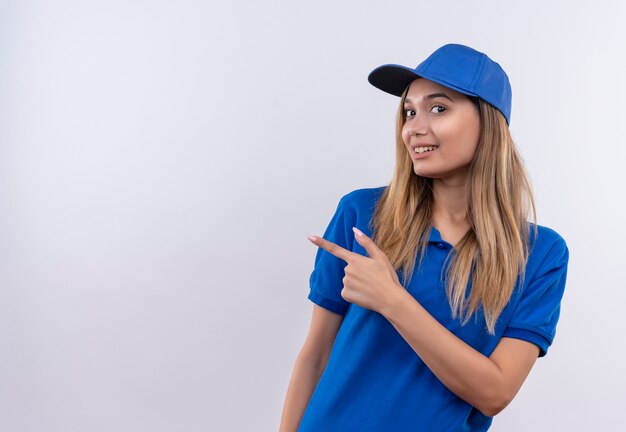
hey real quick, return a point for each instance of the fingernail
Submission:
(358, 233)
(312, 238)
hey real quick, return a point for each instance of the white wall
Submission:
(161, 164)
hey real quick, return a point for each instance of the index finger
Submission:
(333, 248)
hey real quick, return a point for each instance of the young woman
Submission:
(433, 296)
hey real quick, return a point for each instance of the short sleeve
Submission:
(537, 313)
(326, 280)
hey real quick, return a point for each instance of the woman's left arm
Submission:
(487, 383)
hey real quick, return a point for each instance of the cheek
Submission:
(468, 140)
(405, 135)
(473, 135)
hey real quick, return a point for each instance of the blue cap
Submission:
(455, 66)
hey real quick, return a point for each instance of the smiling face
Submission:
(444, 126)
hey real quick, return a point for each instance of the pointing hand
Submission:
(369, 281)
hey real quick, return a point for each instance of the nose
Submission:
(417, 128)
(418, 125)
(417, 132)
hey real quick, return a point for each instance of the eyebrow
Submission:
(432, 96)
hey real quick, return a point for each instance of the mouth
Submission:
(419, 149)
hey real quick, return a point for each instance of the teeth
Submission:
(424, 149)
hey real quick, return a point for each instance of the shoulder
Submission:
(547, 248)
(358, 198)
(546, 237)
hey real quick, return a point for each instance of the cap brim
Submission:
(392, 78)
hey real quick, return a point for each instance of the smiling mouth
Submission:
(425, 149)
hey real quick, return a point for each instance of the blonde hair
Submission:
(494, 251)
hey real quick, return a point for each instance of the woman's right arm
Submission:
(309, 366)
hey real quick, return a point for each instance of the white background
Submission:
(161, 164)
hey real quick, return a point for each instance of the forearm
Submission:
(464, 371)
(304, 379)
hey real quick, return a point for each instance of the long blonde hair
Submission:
(494, 251)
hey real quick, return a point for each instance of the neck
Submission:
(449, 202)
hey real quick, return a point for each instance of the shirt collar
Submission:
(435, 235)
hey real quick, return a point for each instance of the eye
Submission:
(439, 108)
(408, 112)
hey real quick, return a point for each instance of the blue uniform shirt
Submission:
(373, 380)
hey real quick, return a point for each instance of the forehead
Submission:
(421, 87)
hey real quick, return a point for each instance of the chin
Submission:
(426, 174)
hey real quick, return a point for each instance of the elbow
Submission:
(493, 409)
(495, 404)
